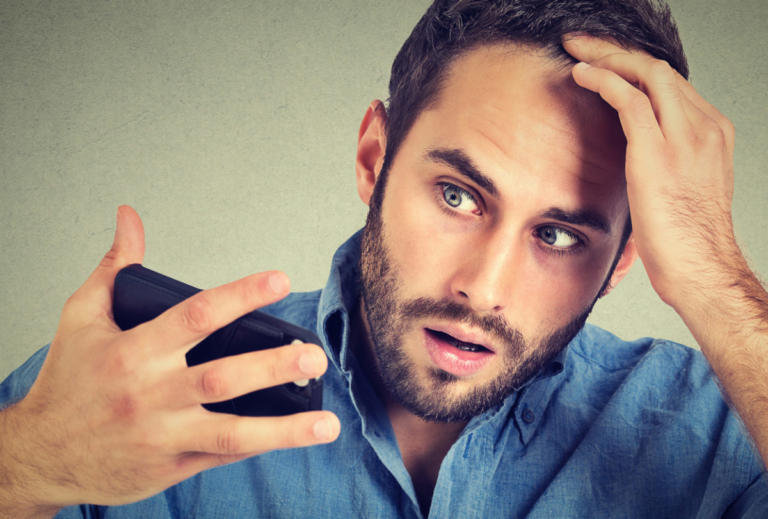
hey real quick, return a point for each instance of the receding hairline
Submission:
(556, 55)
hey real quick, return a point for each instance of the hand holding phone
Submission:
(115, 415)
(142, 294)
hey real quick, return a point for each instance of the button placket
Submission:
(528, 416)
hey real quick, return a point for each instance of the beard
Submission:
(436, 397)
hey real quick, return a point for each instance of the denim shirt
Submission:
(607, 429)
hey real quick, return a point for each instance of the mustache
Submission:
(497, 326)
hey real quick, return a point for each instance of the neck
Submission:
(423, 444)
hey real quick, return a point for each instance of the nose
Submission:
(485, 278)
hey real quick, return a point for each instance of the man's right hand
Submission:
(115, 416)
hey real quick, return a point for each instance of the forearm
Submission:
(730, 323)
(20, 486)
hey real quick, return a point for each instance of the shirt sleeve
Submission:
(753, 502)
(17, 385)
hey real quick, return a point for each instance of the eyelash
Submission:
(451, 211)
(577, 247)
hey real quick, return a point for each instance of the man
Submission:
(460, 379)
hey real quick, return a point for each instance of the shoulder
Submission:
(605, 351)
(649, 401)
(649, 380)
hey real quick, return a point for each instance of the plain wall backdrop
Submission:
(231, 127)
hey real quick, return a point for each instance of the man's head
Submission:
(450, 28)
(504, 214)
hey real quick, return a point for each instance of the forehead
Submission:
(514, 108)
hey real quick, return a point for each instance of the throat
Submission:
(423, 446)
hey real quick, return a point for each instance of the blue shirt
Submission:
(608, 429)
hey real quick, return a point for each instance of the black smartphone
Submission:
(142, 294)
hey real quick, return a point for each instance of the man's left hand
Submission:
(679, 172)
(679, 166)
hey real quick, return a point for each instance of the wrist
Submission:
(727, 307)
(22, 491)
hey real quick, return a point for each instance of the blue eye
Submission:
(557, 237)
(459, 198)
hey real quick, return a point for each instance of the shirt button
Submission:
(528, 416)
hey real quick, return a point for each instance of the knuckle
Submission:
(274, 371)
(111, 258)
(227, 441)
(196, 313)
(250, 289)
(637, 102)
(212, 385)
(711, 133)
(121, 362)
(661, 71)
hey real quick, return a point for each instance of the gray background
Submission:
(231, 127)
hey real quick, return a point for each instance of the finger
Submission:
(187, 323)
(95, 295)
(713, 113)
(632, 64)
(588, 48)
(633, 107)
(230, 377)
(229, 435)
(674, 112)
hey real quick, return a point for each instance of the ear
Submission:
(628, 257)
(371, 147)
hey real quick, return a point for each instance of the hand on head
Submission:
(679, 165)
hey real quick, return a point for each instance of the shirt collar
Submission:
(338, 301)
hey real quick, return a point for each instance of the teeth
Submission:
(466, 346)
(463, 346)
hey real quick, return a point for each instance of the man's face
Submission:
(501, 218)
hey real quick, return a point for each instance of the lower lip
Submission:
(453, 360)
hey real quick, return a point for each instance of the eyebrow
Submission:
(583, 217)
(459, 161)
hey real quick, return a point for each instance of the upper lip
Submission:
(464, 335)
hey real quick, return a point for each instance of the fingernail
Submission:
(582, 65)
(322, 430)
(278, 282)
(310, 362)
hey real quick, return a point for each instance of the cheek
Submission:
(556, 289)
(423, 244)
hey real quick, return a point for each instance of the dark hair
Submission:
(450, 28)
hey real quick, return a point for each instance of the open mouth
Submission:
(459, 358)
(461, 345)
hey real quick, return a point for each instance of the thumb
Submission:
(127, 247)
(95, 295)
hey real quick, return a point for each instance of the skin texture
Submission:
(543, 142)
(493, 276)
(679, 169)
(123, 407)
(128, 429)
